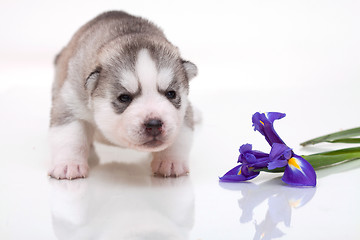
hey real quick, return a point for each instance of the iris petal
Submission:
(247, 155)
(272, 116)
(259, 154)
(250, 158)
(277, 164)
(280, 150)
(299, 172)
(236, 175)
(245, 148)
(279, 156)
(264, 124)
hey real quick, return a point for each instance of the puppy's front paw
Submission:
(169, 168)
(69, 170)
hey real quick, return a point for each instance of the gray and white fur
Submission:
(121, 82)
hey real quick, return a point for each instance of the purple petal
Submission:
(279, 156)
(264, 124)
(247, 155)
(299, 172)
(258, 123)
(280, 150)
(236, 175)
(259, 154)
(277, 164)
(249, 158)
(245, 148)
(260, 163)
(272, 116)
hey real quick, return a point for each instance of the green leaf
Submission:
(325, 159)
(334, 136)
(345, 140)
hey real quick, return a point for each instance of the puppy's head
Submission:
(138, 93)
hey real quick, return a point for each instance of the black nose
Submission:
(153, 127)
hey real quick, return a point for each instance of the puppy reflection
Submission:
(119, 201)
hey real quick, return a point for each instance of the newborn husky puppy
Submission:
(121, 82)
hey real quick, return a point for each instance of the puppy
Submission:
(121, 82)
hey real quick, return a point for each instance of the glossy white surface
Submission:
(298, 58)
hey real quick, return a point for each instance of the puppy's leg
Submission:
(70, 146)
(174, 161)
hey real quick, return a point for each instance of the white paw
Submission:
(69, 170)
(168, 168)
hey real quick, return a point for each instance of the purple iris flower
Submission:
(297, 171)
(250, 160)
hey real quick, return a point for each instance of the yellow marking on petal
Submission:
(293, 163)
(262, 122)
(239, 173)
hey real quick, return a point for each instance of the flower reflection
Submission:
(281, 201)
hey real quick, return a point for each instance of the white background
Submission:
(297, 57)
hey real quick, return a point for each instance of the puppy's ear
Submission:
(92, 80)
(190, 69)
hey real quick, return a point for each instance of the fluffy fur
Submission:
(120, 81)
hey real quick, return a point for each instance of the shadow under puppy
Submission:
(121, 82)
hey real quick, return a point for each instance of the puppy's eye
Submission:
(170, 94)
(125, 98)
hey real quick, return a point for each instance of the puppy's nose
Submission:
(153, 127)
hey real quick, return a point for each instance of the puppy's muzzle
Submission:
(153, 127)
